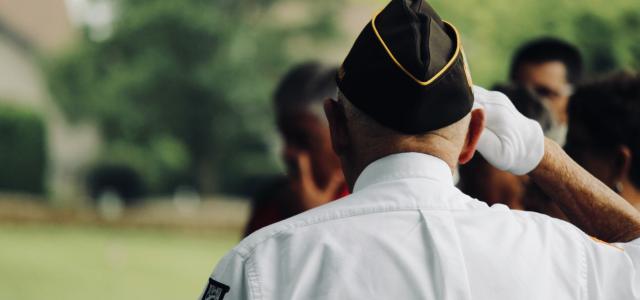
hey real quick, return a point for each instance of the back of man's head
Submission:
(373, 137)
(548, 49)
(359, 139)
(404, 87)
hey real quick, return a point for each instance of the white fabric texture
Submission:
(408, 233)
(510, 141)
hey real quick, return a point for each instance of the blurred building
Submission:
(30, 32)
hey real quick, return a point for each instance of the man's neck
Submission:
(436, 146)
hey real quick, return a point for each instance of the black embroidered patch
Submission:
(215, 290)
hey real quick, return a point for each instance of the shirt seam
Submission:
(254, 279)
(583, 272)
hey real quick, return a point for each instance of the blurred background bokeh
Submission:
(133, 132)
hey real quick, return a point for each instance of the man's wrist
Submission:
(586, 201)
(549, 158)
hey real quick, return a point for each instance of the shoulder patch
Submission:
(215, 290)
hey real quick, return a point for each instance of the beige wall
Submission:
(20, 79)
(71, 147)
(42, 22)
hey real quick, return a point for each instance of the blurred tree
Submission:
(597, 39)
(22, 150)
(606, 31)
(609, 45)
(181, 88)
(630, 22)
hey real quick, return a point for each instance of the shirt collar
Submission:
(404, 165)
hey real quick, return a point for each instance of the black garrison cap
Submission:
(407, 71)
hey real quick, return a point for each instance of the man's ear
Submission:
(622, 163)
(476, 125)
(337, 126)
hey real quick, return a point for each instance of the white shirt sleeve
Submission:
(231, 280)
(612, 270)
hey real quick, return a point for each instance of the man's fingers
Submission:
(335, 181)
(309, 193)
(492, 149)
(305, 172)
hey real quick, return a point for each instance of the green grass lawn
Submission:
(85, 262)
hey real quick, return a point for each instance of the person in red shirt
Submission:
(314, 176)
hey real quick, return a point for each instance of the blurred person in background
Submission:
(551, 68)
(481, 180)
(314, 176)
(604, 132)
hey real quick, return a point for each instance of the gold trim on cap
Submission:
(437, 75)
(467, 71)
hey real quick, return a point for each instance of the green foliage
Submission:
(22, 151)
(161, 162)
(610, 44)
(605, 31)
(181, 88)
(188, 76)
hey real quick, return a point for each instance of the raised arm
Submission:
(589, 203)
(516, 144)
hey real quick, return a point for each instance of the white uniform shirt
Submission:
(407, 232)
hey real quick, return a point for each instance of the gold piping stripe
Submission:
(437, 75)
(467, 71)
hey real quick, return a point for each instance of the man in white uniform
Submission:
(404, 118)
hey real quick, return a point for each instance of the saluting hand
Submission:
(510, 141)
